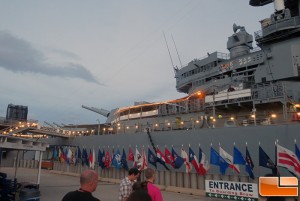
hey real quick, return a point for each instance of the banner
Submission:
(231, 190)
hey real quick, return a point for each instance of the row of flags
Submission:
(171, 160)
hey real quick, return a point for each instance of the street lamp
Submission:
(98, 132)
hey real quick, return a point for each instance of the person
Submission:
(153, 190)
(88, 184)
(126, 184)
(139, 195)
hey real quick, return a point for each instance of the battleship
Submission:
(250, 95)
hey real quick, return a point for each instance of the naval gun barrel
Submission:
(49, 124)
(56, 124)
(101, 111)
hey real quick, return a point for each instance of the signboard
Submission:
(231, 190)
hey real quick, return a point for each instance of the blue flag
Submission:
(124, 161)
(265, 161)
(152, 159)
(216, 159)
(116, 161)
(178, 160)
(100, 159)
(249, 164)
(297, 151)
(238, 157)
(55, 153)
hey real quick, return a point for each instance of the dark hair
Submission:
(140, 186)
(139, 195)
(149, 173)
(134, 171)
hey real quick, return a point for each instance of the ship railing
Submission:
(294, 22)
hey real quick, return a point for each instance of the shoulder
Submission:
(70, 196)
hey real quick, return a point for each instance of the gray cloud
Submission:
(20, 56)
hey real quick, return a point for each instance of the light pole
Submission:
(98, 132)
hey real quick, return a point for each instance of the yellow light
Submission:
(199, 93)
(182, 122)
(214, 120)
(118, 124)
(104, 129)
(298, 113)
(119, 128)
(253, 116)
(169, 124)
(156, 125)
(232, 118)
(10, 130)
(136, 126)
(273, 115)
(220, 116)
(297, 105)
(127, 127)
(211, 117)
(197, 121)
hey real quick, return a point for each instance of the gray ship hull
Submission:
(285, 134)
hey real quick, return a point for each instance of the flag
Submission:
(100, 159)
(116, 161)
(144, 161)
(161, 158)
(203, 162)
(55, 153)
(288, 160)
(69, 156)
(130, 155)
(138, 160)
(178, 160)
(75, 156)
(185, 157)
(124, 161)
(238, 158)
(79, 155)
(226, 156)
(152, 159)
(216, 159)
(92, 158)
(107, 159)
(85, 160)
(297, 151)
(265, 161)
(249, 164)
(193, 159)
(169, 158)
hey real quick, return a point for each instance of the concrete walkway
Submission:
(54, 186)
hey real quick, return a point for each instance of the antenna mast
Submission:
(176, 50)
(169, 52)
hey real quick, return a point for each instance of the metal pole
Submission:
(16, 168)
(40, 166)
(98, 132)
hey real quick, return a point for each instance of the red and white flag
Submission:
(229, 159)
(144, 161)
(168, 156)
(138, 159)
(185, 157)
(288, 159)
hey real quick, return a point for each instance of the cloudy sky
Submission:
(58, 55)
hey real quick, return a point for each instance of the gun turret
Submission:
(101, 111)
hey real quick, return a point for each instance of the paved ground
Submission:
(54, 186)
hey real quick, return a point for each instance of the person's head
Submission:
(150, 174)
(133, 174)
(139, 186)
(139, 195)
(89, 180)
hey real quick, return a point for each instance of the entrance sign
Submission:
(231, 190)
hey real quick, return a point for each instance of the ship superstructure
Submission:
(245, 86)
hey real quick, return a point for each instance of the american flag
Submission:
(288, 159)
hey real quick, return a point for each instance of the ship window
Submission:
(263, 79)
